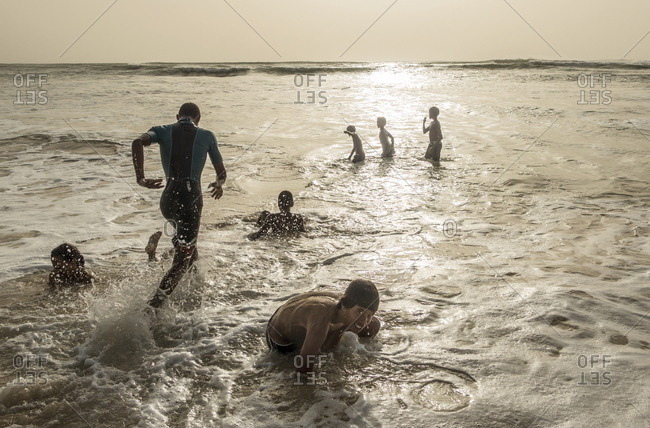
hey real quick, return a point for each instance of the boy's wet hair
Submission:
(285, 199)
(434, 112)
(381, 121)
(351, 128)
(189, 110)
(361, 292)
(69, 253)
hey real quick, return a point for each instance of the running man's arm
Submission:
(137, 152)
(217, 189)
(219, 168)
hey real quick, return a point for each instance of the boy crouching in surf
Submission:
(314, 322)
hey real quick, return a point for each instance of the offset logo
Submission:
(594, 370)
(29, 89)
(310, 88)
(30, 369)
(597, 92)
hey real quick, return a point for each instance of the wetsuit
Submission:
(184, 148)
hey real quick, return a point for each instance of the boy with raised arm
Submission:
(314, 322)
(435, 135)
(357, 147)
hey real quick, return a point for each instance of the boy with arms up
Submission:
(314, 322)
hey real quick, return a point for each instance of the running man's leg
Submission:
(184, 258)
(182, 205)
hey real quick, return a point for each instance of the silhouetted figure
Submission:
(435, 135)
(357, 147)
(68, 267)
(282, 222)
(387, 149)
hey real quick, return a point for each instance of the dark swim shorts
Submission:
(283, 349)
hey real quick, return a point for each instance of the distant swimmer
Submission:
(435, 135)
(314, 322)
(387, 149)
(357, 147)
(282, 222)
(69, 267)
(184, 148)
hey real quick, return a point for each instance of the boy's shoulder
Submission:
(314, 298)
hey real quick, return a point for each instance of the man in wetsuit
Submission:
(184, 148)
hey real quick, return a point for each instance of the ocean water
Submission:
(514, 273)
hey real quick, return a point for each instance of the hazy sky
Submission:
(326, 30)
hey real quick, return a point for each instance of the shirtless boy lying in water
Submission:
(281, 222)
(314, 322)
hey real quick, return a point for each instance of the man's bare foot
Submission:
(152, 245)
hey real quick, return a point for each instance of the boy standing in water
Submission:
(435, 135)
(387, 149)
(69, 267)
(281, 222)
(357, 147)
(314, 322)
(184, 148)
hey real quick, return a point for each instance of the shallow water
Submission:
(513, 275)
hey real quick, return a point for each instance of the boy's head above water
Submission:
(351, 129)
(381, 122)
(359, 304)
(285, 200)
(434, 112)
(66, 256)
(361, 292)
